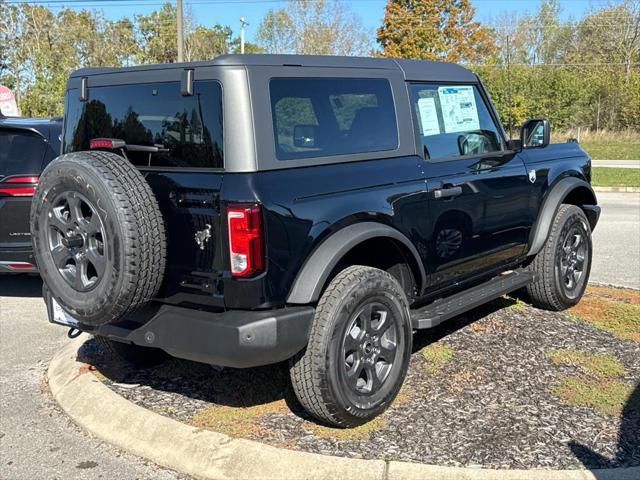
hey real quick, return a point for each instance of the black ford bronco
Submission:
(256, 208)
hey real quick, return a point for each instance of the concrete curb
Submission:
(617, 189)
(210, 455)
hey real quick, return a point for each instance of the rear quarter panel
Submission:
(303, 206)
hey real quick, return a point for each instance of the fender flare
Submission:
(550, 205)
(308, 284)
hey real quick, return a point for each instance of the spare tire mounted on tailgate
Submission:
(98, 236)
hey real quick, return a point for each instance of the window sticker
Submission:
(459, 109)
(428, 116)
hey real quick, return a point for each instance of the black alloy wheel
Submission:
(369, 349)
(573, 257)
(76, 236)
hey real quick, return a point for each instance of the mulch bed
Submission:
(490, 402)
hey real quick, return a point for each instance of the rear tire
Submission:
(564, 263)
(135, 355)
(359, 348)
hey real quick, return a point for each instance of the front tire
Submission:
(359, 349)
(564, 263)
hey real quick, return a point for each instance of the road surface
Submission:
(616, 240)
(37, 440)
(616, 163)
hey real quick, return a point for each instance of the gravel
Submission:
(490, 405)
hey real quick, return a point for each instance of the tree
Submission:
(157, 37)
(207, 43)
(434, 30)
(321, 27)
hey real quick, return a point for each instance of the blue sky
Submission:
(227, 12)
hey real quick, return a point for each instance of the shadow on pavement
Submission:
(628, 453)
(20, 285)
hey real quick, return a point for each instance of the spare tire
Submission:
(98, 236)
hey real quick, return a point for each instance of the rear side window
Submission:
(317, 117)
(187, 130)
(21, 153)
(453, 121)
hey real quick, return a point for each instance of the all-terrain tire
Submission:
(551, 291)
(319, 373)
(135, 355)
(132, 252)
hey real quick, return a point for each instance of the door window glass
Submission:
(453, 121)
(316, 117)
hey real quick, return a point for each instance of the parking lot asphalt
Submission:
(616, 240)
(37, 441)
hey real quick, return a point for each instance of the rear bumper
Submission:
(14, 260)
(234, 338)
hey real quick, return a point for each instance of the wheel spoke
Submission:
(60, 256)
(351, 344)
(355, 373)
(91, 226)
(74, 208)
(80, 272)
(56, 221)
(579, 263)
(388, 352)
(575, 276)
(98, 261)
(372, 377)
(384, 323)
(365, 317)
(577, 240)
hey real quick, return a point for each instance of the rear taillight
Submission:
(245, 240)
(19, 186)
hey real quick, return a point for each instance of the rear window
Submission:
(187, 130)
(21, 153)
(317, 117)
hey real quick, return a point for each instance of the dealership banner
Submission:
(8, 106)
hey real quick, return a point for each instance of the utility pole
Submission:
(243, 23)
(180, 28)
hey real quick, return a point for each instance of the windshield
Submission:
(188, 129)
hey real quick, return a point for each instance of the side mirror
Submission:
(305, 136)
(535, 133)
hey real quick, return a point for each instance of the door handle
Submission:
(447, 192)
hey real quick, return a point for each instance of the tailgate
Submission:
(190, 205)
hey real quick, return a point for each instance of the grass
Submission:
(597, 364)
(619, 317)
(604, 394)
(616, 177)
(437, 354)
(236, 421)
(605, 144)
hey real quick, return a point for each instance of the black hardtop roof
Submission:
(416, 70)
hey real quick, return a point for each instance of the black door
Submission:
(477, 190)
